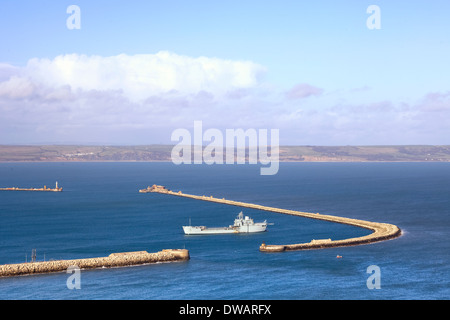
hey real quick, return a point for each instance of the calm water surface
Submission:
(101, 212)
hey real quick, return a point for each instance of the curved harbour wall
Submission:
(381, 231)
(113, 260)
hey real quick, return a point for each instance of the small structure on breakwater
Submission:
(381, 231)
(122, 259)
(155, 188)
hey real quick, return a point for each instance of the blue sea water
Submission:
(100, 212)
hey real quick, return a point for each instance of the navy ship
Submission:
(241, 225)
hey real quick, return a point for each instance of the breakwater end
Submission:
(380, 231)
(122, 259)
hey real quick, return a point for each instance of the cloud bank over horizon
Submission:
(141, 99)
(136, 76)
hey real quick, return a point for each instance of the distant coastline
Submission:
(162, 153)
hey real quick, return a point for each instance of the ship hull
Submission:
(190, 230)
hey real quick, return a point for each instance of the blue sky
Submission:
(309, 68)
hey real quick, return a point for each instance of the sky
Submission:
(135, 71)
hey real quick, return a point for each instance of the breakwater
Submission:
(55, 189)
(122, 259)
(380, 231)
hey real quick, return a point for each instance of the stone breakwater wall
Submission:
(381, 231)
(113, 260)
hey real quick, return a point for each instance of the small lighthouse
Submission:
(57, 188)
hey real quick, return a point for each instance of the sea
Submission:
(100, 212)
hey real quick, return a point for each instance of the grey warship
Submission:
(241, 225)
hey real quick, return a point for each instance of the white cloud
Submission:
(141, 76)
(16, 88)
(79, 97)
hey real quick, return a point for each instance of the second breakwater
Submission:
(381, 231)
(122, 259)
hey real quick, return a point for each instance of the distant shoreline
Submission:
(162, 153)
